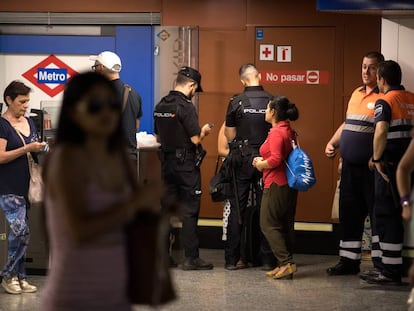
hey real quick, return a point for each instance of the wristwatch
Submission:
(376, 161)
(405, 201)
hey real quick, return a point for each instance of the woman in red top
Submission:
(277, 212)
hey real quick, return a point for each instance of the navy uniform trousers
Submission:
(247, 179)
(389, 224)
(183, 183)
(356, 201)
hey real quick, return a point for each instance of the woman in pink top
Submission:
(90, 196)
(277, 212)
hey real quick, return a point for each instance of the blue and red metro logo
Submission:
(50, 75)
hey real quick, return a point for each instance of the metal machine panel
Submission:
(3, 240)
(37, 254)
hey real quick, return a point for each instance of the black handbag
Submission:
(150, 281)
(149, 278)
(221, 187)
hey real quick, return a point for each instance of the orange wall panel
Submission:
(361, 35)
(312, 49)
(221, 53)
(211, 13)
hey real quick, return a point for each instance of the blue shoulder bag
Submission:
(299, 169)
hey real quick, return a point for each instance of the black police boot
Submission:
(196, 264)
(343, 268)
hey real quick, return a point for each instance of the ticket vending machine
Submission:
(37, 254)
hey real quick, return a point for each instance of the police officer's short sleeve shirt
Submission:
(189, 118)
(231, 114)
(186, 113)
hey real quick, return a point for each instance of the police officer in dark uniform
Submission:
(178, 131)
(246, 129)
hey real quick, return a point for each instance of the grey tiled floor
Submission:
(250, 289)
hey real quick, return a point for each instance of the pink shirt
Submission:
(275, 150)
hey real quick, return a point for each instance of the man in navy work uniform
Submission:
(246, 130)
(356, 197)
(393, 124)
(109, 64)
(177, 129)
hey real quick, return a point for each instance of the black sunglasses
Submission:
(96, 105)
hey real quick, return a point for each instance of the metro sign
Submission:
(50, 75)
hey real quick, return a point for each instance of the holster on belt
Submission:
(181, 154)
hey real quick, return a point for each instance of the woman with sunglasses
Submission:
(89, 198)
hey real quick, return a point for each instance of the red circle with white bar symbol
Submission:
(313, 76)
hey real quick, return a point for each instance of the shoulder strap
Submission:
(295, 142)
(127, 90)
(244, 99)
(217, 164)
(29, 156)
(20, 135)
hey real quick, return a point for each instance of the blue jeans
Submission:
(14, 208)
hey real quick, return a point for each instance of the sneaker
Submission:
(230, 267)
(242, 265)
(196, 264)
(342, 268)
(11, 285)
(26, 287)
(384, 280)
(369, 273)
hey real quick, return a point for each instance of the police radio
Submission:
(201, 153)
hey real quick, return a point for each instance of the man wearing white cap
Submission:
(109, 64)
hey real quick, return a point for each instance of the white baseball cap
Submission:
(109, 59)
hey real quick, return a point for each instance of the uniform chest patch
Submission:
(164, 115)
(252, 110)
(371, 105)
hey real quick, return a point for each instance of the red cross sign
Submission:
(267, 52)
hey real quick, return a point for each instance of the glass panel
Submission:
(51, 111)
(174, 47)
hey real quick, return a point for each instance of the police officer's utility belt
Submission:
(242, 147)
(182, 154)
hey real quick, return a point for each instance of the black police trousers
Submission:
(356, 202)
(247, 179)
(388, 221)
(182, 180)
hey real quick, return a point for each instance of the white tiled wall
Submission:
(397, 43)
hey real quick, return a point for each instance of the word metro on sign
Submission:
(51, 75)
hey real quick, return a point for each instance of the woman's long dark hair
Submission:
(285, 109)
(78, 87)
